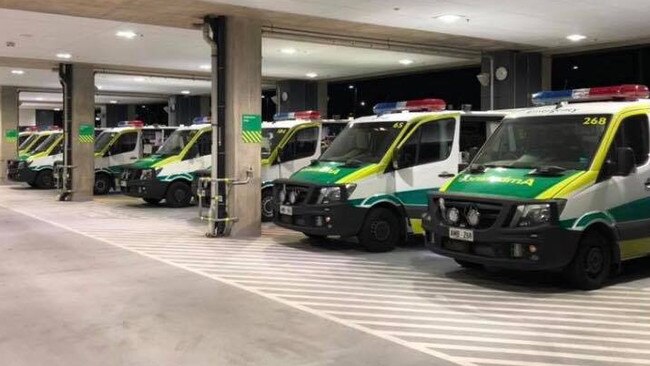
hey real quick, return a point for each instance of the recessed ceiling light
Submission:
(311, 75)
(57, 109)
(450, 18)
(139, 79)
(289, 51)
(406, 61)
(17, 72)
(186, 92)
(64, 55)
(576, 37)
(40, 99)
(113, 102)
(575, 67)
(350, 86)
(99, 87)
(205, 67)
(363, 104)
(128, 34)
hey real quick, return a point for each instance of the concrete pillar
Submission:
(524, 77)
(322, 98)
(243, 90)
(102, 116)
(83, 112)
(8, 128)
(297, 95)
(171, 111)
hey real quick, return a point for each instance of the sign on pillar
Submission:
(251, 128)
(11, 135)
(86, 133)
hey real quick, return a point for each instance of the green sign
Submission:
(251, 128)
(86, 133)
(11, 135)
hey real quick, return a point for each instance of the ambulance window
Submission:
(634, 133)
(58, 149)
(302, 144)
(436, 141)
(125, 143)
(204, 144)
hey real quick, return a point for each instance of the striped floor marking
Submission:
(461, 322)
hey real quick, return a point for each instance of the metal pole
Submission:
(214, 106)
(491, 83)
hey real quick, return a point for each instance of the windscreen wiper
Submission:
(548, 170)
(476, 169)
(353, 163)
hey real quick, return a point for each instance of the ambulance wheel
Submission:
(592, 263)
(152, 201)
(179, 194)
(44, 180)
(468, 265)
(267, 205)
(381, 231)
(33, 185)
(102, 184)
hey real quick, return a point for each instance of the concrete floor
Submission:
(117, 282)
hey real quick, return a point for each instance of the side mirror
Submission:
(625, 161)
(396, 158)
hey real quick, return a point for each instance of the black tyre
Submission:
(468, 265)
(592, 263)
(152, 201)
(267, 205)
(102, 184)
(44, 180)
(179, 194)
(382, 231)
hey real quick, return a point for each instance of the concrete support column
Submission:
(523, 76)
(243, 90)
(298, 95)
(82, 107)
(8, 128)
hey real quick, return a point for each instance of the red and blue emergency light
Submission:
(617, 92)
(304, 115)
(135, 123)
(429, 105)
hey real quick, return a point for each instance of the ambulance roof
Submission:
(407, 116)
(298, 122)
(582, 108)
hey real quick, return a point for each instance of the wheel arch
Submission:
(398, 210)
(612, 237)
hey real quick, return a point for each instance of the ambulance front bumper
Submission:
(146, 188)
(497, 244)
(22, 174)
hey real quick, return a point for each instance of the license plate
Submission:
(461, 234)
(286, 210)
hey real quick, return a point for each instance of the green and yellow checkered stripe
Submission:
(85, 139)
(251, 137)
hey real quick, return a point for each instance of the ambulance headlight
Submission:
(148, 174)
(329, 195)
(532, 215)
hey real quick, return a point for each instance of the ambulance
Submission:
(289, 143)
(118, 147)
(564, 186)
(372, 182)
(31, 142)
(35, 165)
(25, 135)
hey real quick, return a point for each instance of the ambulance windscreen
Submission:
(363, 142)
(561, 141)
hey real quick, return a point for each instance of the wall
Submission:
(27, 117)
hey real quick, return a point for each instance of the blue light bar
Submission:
(201, 120)
(411, 105)
(617, 92)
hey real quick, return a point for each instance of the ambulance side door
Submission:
(125, 149)
(200, 154)
(425, 160)
(627, 198)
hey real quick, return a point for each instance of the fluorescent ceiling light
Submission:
(576, 37)
(113, 102)
(311, 75)
(17, 72)
(99, 87)
(40, 99)
(57, 109)
(128, 34)
(64, 55)
(139, 79)
(205, 67)
(450, 18)
(406, 62)
(186, 92)
(288, 51)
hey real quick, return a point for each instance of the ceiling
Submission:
(539, 23)
(42, 36)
